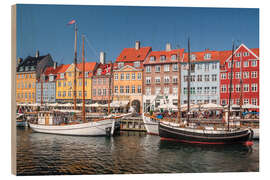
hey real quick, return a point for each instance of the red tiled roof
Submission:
(256, 51)
(105, 68)
(89, 66)
(168, 55)
(200, 56)
(131, 54)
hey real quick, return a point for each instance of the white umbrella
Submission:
(167, 106)
(250, 106)
(211, 106)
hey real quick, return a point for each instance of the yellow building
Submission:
(127, 86)
(26, 87)
(65, 82)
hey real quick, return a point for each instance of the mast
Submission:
(241, 86)
(75, 71)
(83, 79)
(110, 84)
(188, 83)
(179, 90)
(230, 89)
(41, 89)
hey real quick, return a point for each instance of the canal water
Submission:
(131, 152)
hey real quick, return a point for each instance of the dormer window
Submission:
(26, 68)
(193, 57)
(21, 69)
(32, 68)
(85, 74)
(51, 77)
(162, 58)
(121, 64)
(173, 57)
(246, 54)
(152, 58)
(62, 75)
(136, 64)
(99, 71)
(207, 56)
(238, 54)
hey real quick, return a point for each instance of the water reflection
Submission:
(131, 152)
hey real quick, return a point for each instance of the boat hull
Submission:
(186, 135)
(99, 128)
(151, 126)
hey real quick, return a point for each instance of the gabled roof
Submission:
(168, 54)
(224, 55)
(89, 66)
(128, 66)
(105, 69)
(242, 46)
(200, 56)
(62, 68)
(131, 54)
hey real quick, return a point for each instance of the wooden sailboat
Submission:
(72, 123)
(184, 132)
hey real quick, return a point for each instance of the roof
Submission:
(200, 56)
(29, 61)
(168, 55)
(89, 66)
(131, 54)
(105, 69)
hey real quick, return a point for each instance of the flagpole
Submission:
(75, 70)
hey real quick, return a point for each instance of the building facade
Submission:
(128, 75)
(204, 77)
(27, 73)
(246, 61)
(161, 76)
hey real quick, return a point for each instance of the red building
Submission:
(245, 60)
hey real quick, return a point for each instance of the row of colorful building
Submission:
(139, 74)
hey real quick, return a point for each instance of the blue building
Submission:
(204, 79)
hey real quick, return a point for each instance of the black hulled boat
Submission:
(203, 135)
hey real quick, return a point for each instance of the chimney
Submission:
(54, 65)
(168, 47)
(37, 54)
(137, 45)
(19, 61)
(102, 57)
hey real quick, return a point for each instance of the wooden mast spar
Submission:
(241, 87)
(188, 82)
(179, 90)
(75, 70)
(110, 82)
(83, 79)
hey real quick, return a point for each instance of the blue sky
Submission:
(112, 28)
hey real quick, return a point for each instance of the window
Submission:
(214, 90)
(245, 75)
(127, 76)
(253, 63)
(237, 88)
(115, 77)
(29, 85)
(133, 89)
(185, 78)
(122, 76)
(59, 93)
(18, 85)
(254, 101)
(224, 88)
(206, 90)
(157, 68)
(246, 64)
(80, 83)
(193, 57)
(246, 101)
(62, 75)
(157, 80)
(25, 85)
(199, 66)
(223, 75)
(115, 89)
(246, 54)
(254, 87)
(99, 92)
(137, 64)
(192, 78)
(206, 77)
(254, 74)
(246, 87)
(229, 75)
(152, 58)
(173, 57)
(162, 58)
(99, 81)
(192, 90)
(206, 67)
(158, 89)
(237, 101)
(166, 79)
(167, 68)
(214, 101)
(237, 64)
(223, 102)
(229, 64)
(214, 77)
(64, 93)
(207, 56)
(139, 76)
(69, 83)
(238, 54)
(237, 75)
(148, 91)
(214, 66)
(185, 90)
(192, 68)
(199, 90)
(166, 90)
(127, 89)
(139, 90)
(133, 76)
(175, 67)
(148, 80)
(121, 89)
(59, 83)
(175, 79)
(121, 64)
(104, 92)
(86, 74)
(231, 88)
(148, 69)
(69, 93)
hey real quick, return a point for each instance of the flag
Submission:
(71, 22)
